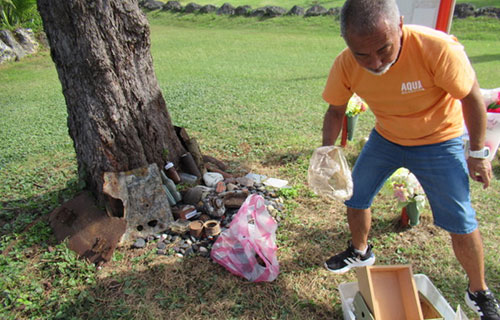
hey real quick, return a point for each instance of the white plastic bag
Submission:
(329, 174)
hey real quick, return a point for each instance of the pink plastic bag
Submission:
(248, 247)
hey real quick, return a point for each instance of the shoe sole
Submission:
(367, 262)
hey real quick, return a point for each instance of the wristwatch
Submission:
(484, 153)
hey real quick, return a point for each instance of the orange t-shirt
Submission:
(416, 102)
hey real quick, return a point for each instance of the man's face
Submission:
(376, 52)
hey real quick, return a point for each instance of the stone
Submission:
(491, 12)
(208, 8)
(6, 53)
(139, 243)
(242, 10)
(231, 187)
(296, 11)
(144, 202)
(192, 7)
(220, 187)
(27, 40)
(274, 11)
(8, 38)
(161, 245)
(173, 6)
(212, 178)
(179, 255)
(152, 5)
(189, 251)
(245, 182)
(464, 10)
(315, 11)
(203, 249)
(226, 9)
(333, 12)
(161, 252)
(259, 12)
(194, 195)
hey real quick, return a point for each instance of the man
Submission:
(421, 87)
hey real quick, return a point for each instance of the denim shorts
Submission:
(440, 168)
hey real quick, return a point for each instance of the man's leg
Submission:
(468, 249)
(360, 221)
(358, 253)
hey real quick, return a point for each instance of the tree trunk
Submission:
(117, 116)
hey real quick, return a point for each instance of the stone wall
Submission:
(462, 10)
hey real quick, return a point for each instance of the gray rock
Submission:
(179, 255)
(463, 10)
(208, 8)
(192, 7)
(488, 12)
(296, 11)
(226, 9)
(161, 245)
(274, 11)
(152, 5)
(173, 6)
(195, 194)
(259, 12)
(6, 53)
(8, 38)
(242, 11)
(161, 252)
(315, 11)
(139, 243)
(189, 251)
(333, 12)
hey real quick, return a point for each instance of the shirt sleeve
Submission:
(337, 89)
(452, 69)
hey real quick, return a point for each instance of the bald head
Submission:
(361, 17)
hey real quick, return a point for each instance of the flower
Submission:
(404, 186)
(355, 106)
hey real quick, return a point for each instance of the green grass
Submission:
(250, 91)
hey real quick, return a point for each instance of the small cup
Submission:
(196, 228)
(172, 173)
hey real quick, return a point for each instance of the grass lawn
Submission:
(250, 91)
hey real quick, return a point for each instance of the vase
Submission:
(413, 214)
(351, 126)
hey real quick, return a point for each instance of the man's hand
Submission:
(480, 170)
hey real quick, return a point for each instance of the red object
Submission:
(445, 14)
(405, 220)
(343, 141)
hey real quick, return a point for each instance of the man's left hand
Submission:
(480, 170)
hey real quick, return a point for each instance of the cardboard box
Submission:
(390, 292)
(425, 288)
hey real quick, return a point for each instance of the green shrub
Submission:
(19, 13)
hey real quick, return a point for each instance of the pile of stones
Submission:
(214, 202)
(462, 10)
(245, 10)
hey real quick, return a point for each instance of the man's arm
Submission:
(475, 119)
(332, 124)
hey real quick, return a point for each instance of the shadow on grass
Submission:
(485, 58)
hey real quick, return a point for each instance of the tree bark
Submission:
(117, 116)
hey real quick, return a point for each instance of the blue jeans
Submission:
(440, 168)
